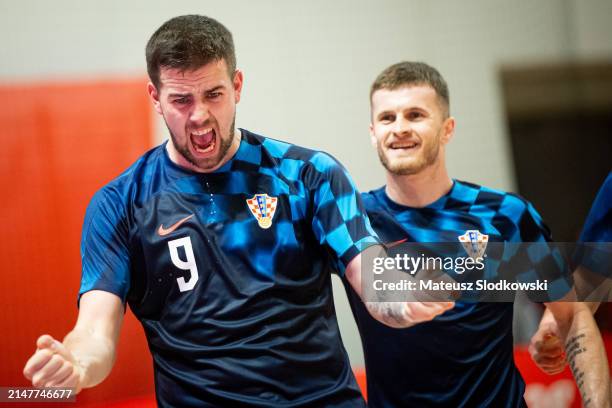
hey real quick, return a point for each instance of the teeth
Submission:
(202, 132)
(406, 146)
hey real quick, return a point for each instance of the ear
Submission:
(448, 130)
(238, 79)
(373, 140)
(154, 95)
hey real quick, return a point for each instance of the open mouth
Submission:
(204, 140)
(403, 145)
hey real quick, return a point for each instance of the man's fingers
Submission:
(48, 342)
(553, 369)
(550, 348)
(550, 364)
(553, 353)
(47, 371)
(550, 336)
(72, 381)
(36, 362)
(48, 364)
(545, 361)
(551, 339)
(547, 351)
(60, 349)
(60, 375)
(45, 341)
(549, 344)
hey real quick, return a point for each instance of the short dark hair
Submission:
(409, 73)
(189, 42)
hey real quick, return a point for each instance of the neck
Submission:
(421, 189)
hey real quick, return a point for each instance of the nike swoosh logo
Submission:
(162, 232)
(396, 243)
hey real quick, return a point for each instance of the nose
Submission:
(200, 113)
(401, 126)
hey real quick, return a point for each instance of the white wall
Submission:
(308, 65)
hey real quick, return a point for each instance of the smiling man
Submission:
(464, 357)
(221, 241)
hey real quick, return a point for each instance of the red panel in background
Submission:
(60, 143)
(544, 391)
(360, 376)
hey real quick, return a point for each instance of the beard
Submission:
(205, 164)
(403, 167)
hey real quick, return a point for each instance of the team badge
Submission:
(263, 207)
(474, 243)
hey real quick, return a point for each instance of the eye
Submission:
(415, 115)
(213, 95)
(181, 101)
(387, 118)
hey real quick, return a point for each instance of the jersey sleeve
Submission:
(594, 250)
(104, 246)
(598, 225)
(538, 258)
(339, 219)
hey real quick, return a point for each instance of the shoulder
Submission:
(117, 193)
(294, 161)
(601, 204)
(597, 226)
(509, 211)
(373, 200)
(509, 204)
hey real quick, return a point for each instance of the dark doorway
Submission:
(560, 127)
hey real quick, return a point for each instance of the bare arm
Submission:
(394, 314)
(546, 347)
(87, 354)
(585, 351)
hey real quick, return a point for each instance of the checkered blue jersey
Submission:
(597, 232)
(463, 358)
(598, 225)
(237, 310)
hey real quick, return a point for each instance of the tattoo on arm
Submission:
(574, 347)
(391, 313)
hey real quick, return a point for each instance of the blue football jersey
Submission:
(595, 248)
(228, 272)
(464, 357)
(598, 225)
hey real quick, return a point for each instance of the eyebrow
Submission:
(186, 94)
(385, 112)
(410, 108)
(216, 88)
(178, 95)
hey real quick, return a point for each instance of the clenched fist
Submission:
(547, 351)
(52, 365)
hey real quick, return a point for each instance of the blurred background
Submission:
(530, 85)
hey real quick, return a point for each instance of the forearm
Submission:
(392, 314)
(586, 356)
(87, 354)
(94, 355)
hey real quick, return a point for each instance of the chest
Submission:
(217, 249)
